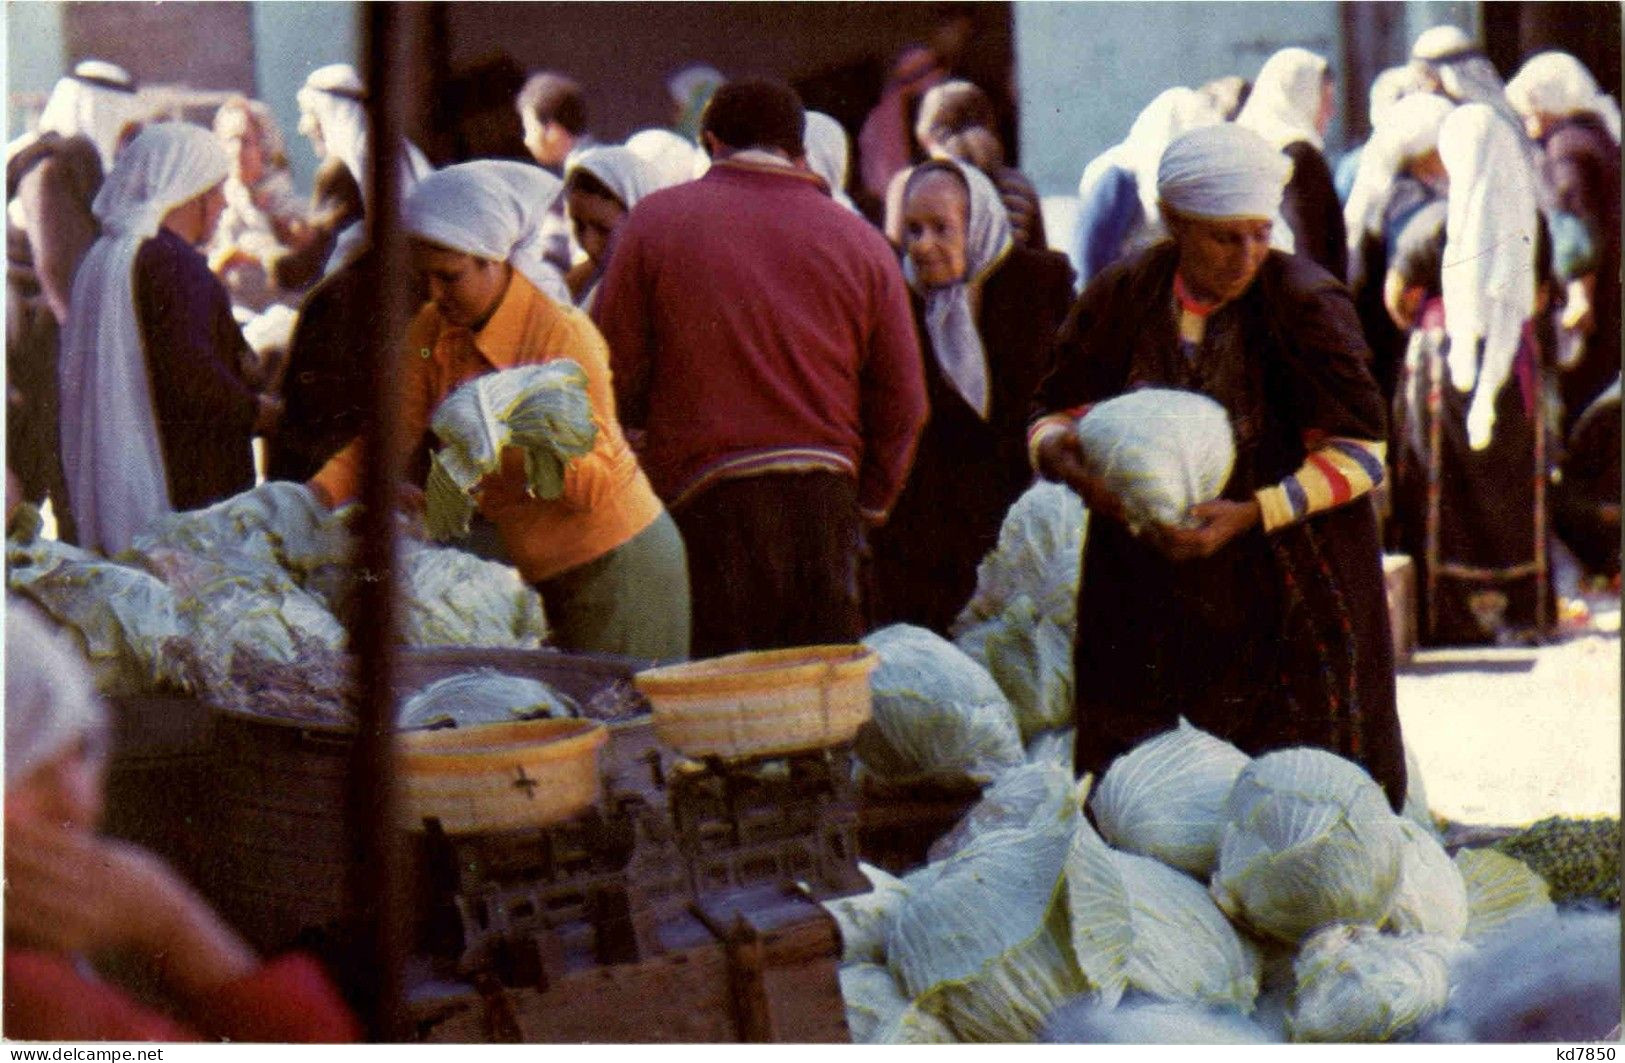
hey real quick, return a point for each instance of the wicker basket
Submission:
(503, 776)
(760, 704)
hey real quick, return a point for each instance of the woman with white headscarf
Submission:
(601, 185)
(675, 160)
(156, 415)
(1263, 619)
(1117, 194)
(1400, 173)
(987, 309)
(333, 114)
(76, 898)
(605, 555)
(1291, 106)
(1577, 128)
(52, 176)
(1452, 64)
(1469, 409)
(829, 155)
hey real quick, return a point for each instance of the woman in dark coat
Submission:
(988, 310)
(1266, 623)
(1290, 106)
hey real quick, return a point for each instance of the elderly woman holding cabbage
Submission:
(1258, 614)
(583, 526)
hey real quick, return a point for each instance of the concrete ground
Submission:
(1505, 737)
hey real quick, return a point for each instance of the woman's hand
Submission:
(1060, 457)
(1221, 521)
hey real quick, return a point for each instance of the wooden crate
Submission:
(1399, 573)
(756, 965)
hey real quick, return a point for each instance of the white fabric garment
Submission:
(491, 209)
(949, 319)
(1559, 85)
(1284, 107)
(689, 83)
(111, 456)
(1465, 74)
(1173, 112)
(1409, 130)
(333, 95)
(1488, 269)
(97, 101)
(828, 154)
(621, 170)
(51, 702)
(1223, 171)
(1391, 86)
(676, 158)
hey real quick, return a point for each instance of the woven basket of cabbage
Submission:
(500, 776)
(763, 703)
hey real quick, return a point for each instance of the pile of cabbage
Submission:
(239, 603)
(1195, 888)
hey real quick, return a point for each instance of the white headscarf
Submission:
(949, 319)
(828, 155)
(1488, 269)
(1173, 112)
(1465, 74)
(1409, 129)
(676, 159)
(50, 699)
(110, 450)
(97, 101)
(1557, 84)
(336, 97)
(621, 170)
(1391, 86)
(491, 209)
(1285, 101)
(1223, 171)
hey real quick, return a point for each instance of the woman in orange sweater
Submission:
(607, 559)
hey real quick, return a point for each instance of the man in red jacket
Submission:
(761, 338)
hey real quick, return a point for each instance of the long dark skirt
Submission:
(1473, 521)
(1276, 641)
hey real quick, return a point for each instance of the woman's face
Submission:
(465, 289)
(1218, 259)
(241, 136)
(935, 215)
(595, 219)
(65, 791)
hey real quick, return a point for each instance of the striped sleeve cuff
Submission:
(1338, 471)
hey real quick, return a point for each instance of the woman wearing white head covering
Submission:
(605, 555)
(1468, 415)
(155, 413)
(675, 160)
(333, 114)
(1290, 106)
(1117, 193)
(829, 155)
(1454, 65)
(1577, 128)
(97, 101)
(76, 898)
(987, 309)
(601, 185)
(1230, 619)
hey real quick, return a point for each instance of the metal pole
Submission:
(376, 888)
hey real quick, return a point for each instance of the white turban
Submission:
(1557, 84)
(50, 700)
(1223, 171)
(491, 209)
(1284, 106)
(110, 450)
(1409, 130)
(1488, 269)
(621, 170)
(676, 158)
(828, 154)
(97, 101)
(949, 320)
